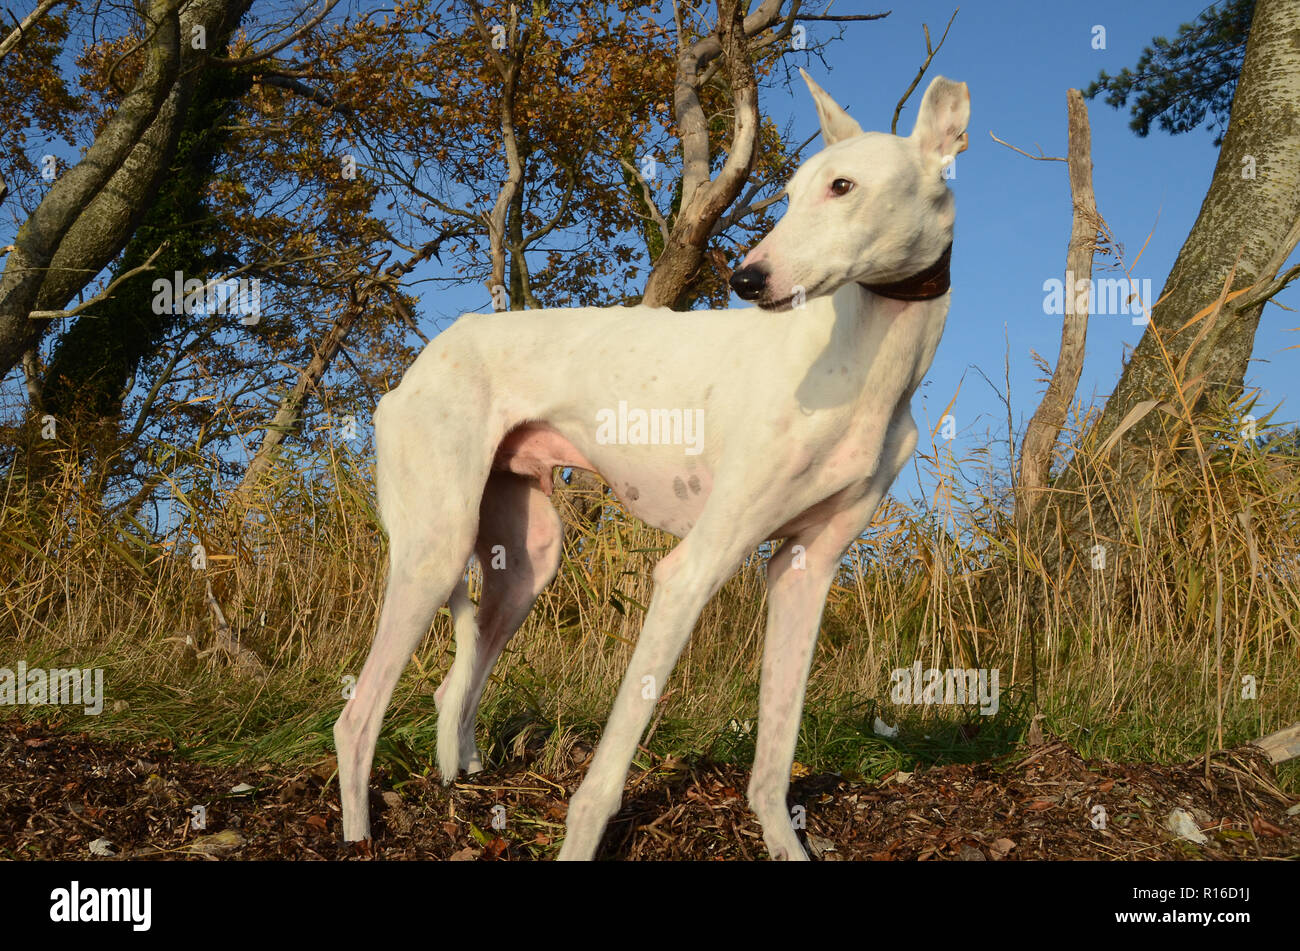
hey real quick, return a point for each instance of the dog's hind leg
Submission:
(520, 538)
(416, 588)
(431, 528)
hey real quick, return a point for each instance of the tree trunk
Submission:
(91, 211)
(704, 200)
(1240, 236)
(91, 364)
(1242, 224)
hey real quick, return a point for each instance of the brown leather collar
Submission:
(924, 285)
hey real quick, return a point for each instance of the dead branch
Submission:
(103, 295)
(1281, 746)
(1045, 426)
(1040, 157)
(1268, 288)
(309, 377)
(898, 109)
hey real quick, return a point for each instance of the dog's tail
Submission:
(465, 628)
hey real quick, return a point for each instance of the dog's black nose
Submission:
(748, 282)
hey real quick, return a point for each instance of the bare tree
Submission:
(730, 49)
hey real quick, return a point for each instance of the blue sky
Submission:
(1013, 214)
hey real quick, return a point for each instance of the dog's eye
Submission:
(841, 186)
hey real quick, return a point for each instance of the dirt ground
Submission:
(71, 796)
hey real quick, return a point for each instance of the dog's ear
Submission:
(836, 123)
(940, 129)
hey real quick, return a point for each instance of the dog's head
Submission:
(870, 207)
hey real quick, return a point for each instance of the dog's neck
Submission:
(923, 285)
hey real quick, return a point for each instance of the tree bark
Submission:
(1240, 236)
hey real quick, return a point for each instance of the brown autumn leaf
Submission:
(1001, 848)
(1262, 826)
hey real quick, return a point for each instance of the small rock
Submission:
(1181, 824)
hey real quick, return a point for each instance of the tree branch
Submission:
(102, 296)
(1040, 157)
(300, 88)
(292, 38)
(893, 126)
(16, 35)
(655, 214)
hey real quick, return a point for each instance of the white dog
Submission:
(725, 428)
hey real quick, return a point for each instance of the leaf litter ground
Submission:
(73, 796)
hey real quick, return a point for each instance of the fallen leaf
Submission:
(218, 843)
(1001, 848)
(1260, 824)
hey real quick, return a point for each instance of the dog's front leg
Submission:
(798, 579)
(684, 581)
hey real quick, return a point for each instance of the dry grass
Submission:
(1148, 664)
